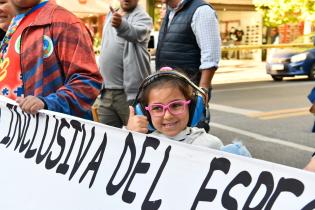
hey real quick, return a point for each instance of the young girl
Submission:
(168, 99)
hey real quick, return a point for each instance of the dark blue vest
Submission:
(177, 46)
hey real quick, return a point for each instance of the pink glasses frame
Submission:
(167, 106)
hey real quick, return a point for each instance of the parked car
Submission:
(289, 62)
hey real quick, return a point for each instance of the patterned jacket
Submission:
(58, 63)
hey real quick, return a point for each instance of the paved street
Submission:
(271, 118)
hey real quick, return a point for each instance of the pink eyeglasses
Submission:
(176, 108)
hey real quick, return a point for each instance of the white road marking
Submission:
(276, 114)
(264, 86)
(262, 138)
(234, 110)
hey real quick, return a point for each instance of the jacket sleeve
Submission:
(82, 80)
(136, 30)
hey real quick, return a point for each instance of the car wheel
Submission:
(277, 78)
(311, 74)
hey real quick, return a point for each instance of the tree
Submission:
(278, 12)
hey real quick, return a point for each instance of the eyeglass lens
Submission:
(176, 107)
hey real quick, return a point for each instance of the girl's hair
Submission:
(174, 82)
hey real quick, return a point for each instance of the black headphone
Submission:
(198, 107)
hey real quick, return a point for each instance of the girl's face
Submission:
(168, 124)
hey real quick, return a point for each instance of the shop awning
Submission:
(91, 7)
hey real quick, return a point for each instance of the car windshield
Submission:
(305, 39)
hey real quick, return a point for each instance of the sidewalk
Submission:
(233, 71)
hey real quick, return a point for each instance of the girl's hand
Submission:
(137, 123)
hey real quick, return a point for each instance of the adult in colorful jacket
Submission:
(48, 52)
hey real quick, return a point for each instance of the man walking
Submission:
(124, 60)
(189, 39)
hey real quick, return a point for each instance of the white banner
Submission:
(53, 161)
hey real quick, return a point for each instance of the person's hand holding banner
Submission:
(116, 17)
(137, 122)
(30, 104)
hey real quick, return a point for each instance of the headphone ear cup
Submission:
(197, 111)
(139, 110)
(192, 107)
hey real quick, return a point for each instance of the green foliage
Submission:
(278, 12)
(309, 9)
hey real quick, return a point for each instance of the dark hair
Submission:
(174, 82)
